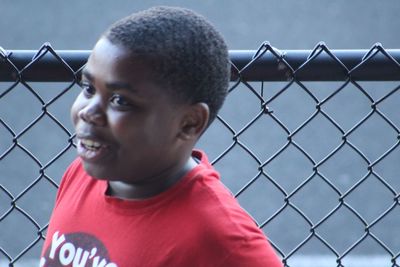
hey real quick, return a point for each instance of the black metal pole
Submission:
(267, 67)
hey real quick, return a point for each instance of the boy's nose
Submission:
(93, 113)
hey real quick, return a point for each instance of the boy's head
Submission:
(152, 84)
(188, 56)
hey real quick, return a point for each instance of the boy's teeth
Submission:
(90, 143)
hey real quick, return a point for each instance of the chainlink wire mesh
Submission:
(316, 164)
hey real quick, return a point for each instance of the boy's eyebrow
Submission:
(109, 85)
(87, 74)
(119, 86)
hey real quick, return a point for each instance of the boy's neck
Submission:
(142, 191)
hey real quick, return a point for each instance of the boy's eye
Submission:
(87, 89)
(119, 101)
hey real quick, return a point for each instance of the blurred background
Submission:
(286, 24)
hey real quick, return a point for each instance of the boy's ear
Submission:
(194, 121)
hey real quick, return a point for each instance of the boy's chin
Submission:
(95, 172)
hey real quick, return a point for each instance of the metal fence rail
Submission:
(308, 140)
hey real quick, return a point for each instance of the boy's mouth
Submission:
(90, 144)
(92, 151)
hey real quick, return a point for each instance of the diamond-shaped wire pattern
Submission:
(313, 160)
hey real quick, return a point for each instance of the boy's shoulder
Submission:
(213, 217)
(74, 169)
(74, 172)
(208, 202)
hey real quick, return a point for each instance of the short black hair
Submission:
(189, 56)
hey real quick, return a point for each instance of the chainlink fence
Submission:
(308, 141)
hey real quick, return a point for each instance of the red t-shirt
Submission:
(197, 222)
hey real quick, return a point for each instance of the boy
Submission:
(139, 195)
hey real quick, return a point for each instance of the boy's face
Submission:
(127, 127)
